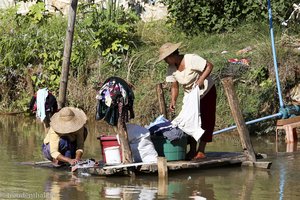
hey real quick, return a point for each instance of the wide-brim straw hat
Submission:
(68, 120)
(167, 49)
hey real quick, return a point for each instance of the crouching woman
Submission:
(64, 142)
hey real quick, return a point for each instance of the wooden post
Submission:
(161, 99)
(238, 118)
(67, 55)
(123, 136)
(162, 176)
(162, 167)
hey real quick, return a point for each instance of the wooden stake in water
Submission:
(238, 118)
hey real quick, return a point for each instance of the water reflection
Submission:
(21, 138)
(20, 135)
(127, 192)
(234, 183)
(149, 188)
(64, 186)
(292, 147)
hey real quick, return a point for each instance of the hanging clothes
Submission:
(115, 96)
(40, 102)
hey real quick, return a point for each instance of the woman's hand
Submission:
(200, 83)
(172, 107)
(65, 159)
(73, 161)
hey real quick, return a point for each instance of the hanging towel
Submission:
(40, 103)
(189, 119)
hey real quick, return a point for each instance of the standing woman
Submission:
(189, 70)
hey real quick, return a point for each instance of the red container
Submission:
(108, 141)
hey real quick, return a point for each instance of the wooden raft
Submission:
(214, 159)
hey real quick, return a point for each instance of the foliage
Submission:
(109, 42)
(32, 44)
(195, 16)
(111, 29)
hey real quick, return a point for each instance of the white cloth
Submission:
(40, 103)
(189, 119)
(140, 143)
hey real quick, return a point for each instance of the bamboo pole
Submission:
(67, 55)
(238, 118)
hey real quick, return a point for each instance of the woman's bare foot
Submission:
(199, 156)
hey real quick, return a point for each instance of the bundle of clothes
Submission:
(163, 127)
(141, 145)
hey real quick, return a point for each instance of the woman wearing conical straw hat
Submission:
(64, 142)
(189, 70)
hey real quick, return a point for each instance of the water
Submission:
(21, 138)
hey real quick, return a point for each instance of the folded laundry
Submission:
(167, 130)
(161, 127)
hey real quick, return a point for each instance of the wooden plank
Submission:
(42, 162)
(207, 162)
(214, 159)
(264, 165)
(238, 118)
(45, 164)
(128, 165)
(261, 164)
(291, 120)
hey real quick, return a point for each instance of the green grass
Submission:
(257, 99)
(255, 87)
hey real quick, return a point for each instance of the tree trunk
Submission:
(67, 55)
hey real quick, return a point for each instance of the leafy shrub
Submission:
(111, 30)
(195, 16)
(32, 45)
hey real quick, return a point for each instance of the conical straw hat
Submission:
(68, 120)
(167, 49)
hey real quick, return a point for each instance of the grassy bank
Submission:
(255, 84)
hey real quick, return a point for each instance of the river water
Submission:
(21, 139)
